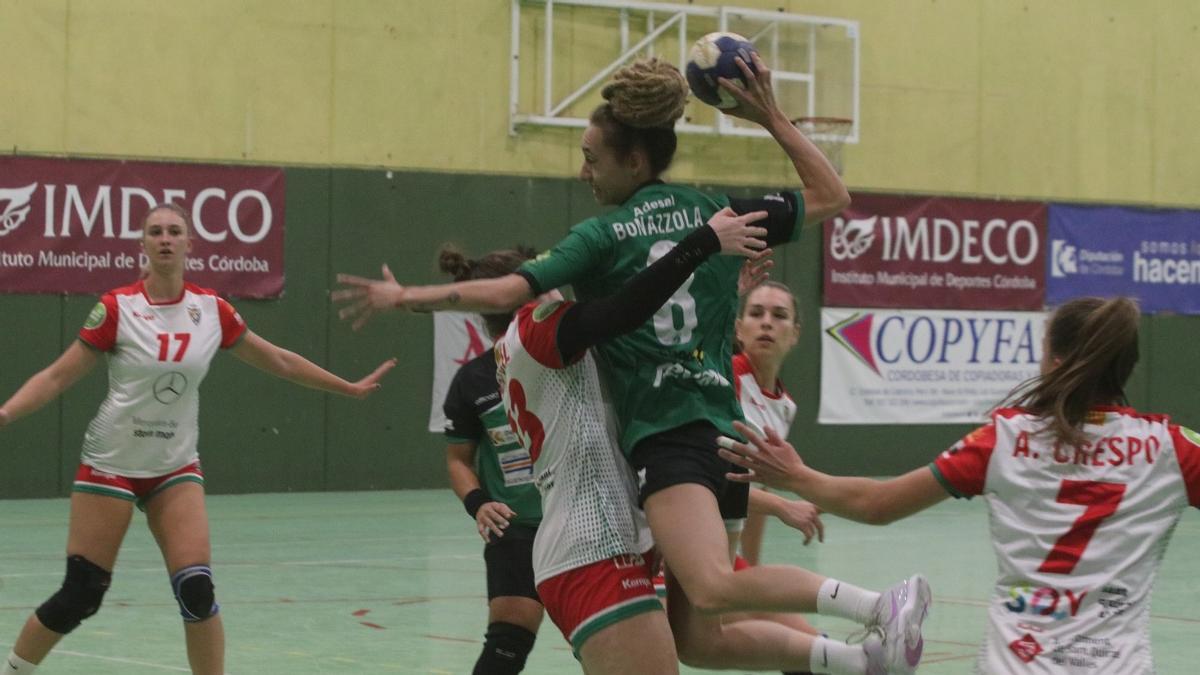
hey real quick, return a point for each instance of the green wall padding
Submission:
(260, 434)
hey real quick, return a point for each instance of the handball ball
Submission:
(713, 56)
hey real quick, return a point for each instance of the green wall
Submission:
(259, 434)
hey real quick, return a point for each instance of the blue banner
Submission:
(1153, 256)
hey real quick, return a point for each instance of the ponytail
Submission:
(454, 262)
(1095, 342)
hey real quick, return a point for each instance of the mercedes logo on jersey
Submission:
(169, 387)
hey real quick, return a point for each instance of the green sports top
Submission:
(475, 414)
(676, 368)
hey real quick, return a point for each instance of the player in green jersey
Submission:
(671, 379)
(493, 476)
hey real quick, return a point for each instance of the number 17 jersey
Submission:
(1078, 532)
(158, 354)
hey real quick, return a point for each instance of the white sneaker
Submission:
(895, 645)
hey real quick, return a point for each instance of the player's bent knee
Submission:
(79, 597)
(715, 597)
(195, 593)
(505, 648)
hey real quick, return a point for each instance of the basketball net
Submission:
(827, 133)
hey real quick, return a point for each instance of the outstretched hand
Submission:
(370, 384)
(771, 460)
(367, 297)
(755, 271)
(736, 234)
(756, 101)
(3, 418)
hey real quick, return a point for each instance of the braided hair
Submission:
(642, 103)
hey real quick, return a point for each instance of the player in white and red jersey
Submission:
(767, 329)
(1084, 493)
(160, 335)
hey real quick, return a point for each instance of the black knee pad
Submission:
(195, 593)
(505, 648)
(80, 596)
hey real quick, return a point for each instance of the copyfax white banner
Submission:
(458, 337)
(883, 366)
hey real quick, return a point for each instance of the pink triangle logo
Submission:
(475, 345)
(854, 333)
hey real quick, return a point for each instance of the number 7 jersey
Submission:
(1078, 532)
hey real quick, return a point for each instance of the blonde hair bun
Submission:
(648, 93)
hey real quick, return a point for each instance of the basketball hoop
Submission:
(827, 133)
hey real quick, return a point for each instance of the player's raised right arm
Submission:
(825, 194)
(48, 384)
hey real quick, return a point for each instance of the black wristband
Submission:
(474, 500)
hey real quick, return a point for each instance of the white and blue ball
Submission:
(713, 56)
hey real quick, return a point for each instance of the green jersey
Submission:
(676, 368)
(475, 414)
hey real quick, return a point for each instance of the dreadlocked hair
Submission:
(647, 93)
(1096, 343)
(454, 262)
(642, 103)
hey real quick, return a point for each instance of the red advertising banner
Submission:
(74, 226)
(936, 253)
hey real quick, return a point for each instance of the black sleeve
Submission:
(784, 214)
(534, 286)
(462, 424)
(594, 321)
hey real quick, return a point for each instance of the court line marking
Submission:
(116, 659)
(454, 638)
(395, 601)
(139, 548)
(277, 563)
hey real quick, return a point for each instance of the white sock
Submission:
(18, 665)
(836, 658)
(838, 598)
